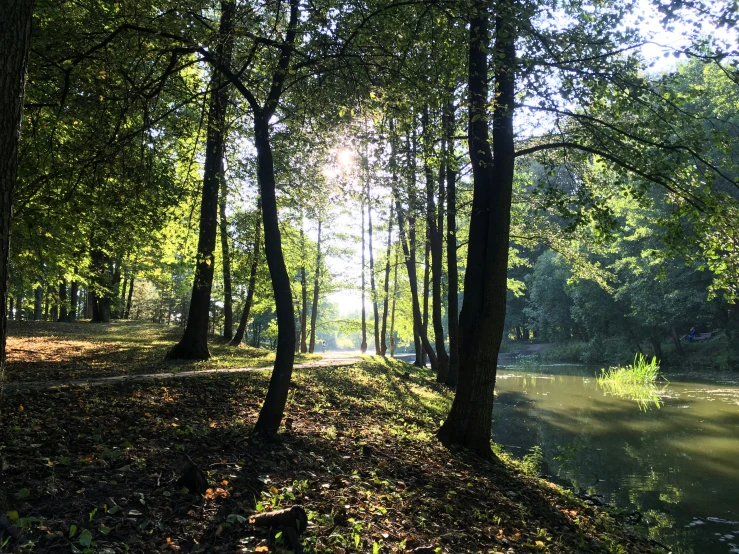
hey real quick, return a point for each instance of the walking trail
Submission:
(330, 359)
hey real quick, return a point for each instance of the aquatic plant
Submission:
(637, 381)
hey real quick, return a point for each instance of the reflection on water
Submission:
(677, 465)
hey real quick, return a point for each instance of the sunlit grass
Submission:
(637, 381)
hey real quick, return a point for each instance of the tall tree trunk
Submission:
(451, 246)
(383, 341)
(426, 281)
(124, 289)
(435, 226)
(411, 267)
(241, 330)
(91, 300)
(303, 295)
(38, 303)
(63, 300)
(11, 305)
(410, 255)
(271, 413)
(15, 36)
(54, 303)
(226, 257)
(19, 307)
(373, 289)
(316, 291)
(47, 302)
(115, 290)
(127, 313)
(272, 410)
(483, 311)
(363, 346)
(73, 300)
(194, 342)
(395, 295)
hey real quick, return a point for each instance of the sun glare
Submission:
(345, 158)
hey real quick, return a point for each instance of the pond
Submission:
(675, 466)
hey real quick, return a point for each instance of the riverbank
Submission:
(95, 470)
(714, 354)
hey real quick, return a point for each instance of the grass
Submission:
(637, 381)
(39, 351)
(358, 452)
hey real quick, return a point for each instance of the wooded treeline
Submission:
(204, 163)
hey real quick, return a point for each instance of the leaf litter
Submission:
(95, 470)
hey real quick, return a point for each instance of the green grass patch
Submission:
(637, 381)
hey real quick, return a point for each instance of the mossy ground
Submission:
(93, 470)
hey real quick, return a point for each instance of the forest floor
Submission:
(43, 351)
(94, 470)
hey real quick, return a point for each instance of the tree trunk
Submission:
(363, 346)
(409, 251)
(383, 341)
(654, 338)
(435, 226)
(127, 313)
(676, 340)
(241, 330)
(115, 291)
(392, 313)
(451, 247)
(63, 300)
(316, 290)
(90, 314)
(11, 306)
(38, 303)
(411, 267)
(426, 281)
(483, 311)
(373, 289)
(226, 257)
(194, 342)
(303, 295)
(271, 413)
(15, 36)
(54, 303)
(73, 292)
(124, 289)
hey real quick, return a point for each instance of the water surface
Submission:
(677, 465)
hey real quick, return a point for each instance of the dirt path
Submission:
(331, 359)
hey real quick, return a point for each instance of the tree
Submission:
(194, 342)
(15, 38)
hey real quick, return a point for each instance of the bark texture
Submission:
(15, 37)
(194, 342)
(270, 416)
(483, 310)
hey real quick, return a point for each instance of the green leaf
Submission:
(85, 538)
(104, 529)
(23, 493)
(12, 516)
(72, 530)
(114, 510)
